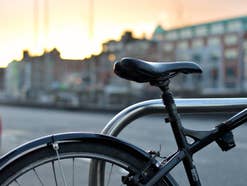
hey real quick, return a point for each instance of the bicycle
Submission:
(135, 167)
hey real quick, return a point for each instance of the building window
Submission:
(231, 77)
(245, 45)
(186, 33)
(214, 41)
(183, 45)
(214, 76)
(217, 28)
(172, 35)
(159, 37)
(197, 43)
(245, 66)
(130, 48)
(182, 56)
(197, 58)
(231, 39)
(168, 47)
(234, 26)
(144, 46)
(201, 31)
(231, 53)
(230, 72)
(214, 57)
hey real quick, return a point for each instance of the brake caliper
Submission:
(149, 170)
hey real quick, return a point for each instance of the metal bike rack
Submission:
(199, 105)
(131, 113)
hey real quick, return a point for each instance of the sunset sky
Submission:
(67, 27)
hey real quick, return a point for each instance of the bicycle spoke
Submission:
(17, 182)
(54, 173)
(108, 182)
(56, 147)
(73, 172)
(40, 181)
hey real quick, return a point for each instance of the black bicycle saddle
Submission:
(144, 71)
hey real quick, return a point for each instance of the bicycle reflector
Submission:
(226, 141)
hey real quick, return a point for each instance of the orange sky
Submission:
(68, 28)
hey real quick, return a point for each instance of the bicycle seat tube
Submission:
(177, 129)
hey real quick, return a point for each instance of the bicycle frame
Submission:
(118, 123)
(202, 139)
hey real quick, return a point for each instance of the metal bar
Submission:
(199, 105)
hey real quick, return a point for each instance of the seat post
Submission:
(174, 117)
(177, 129)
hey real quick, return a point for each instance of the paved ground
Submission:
(215, 167)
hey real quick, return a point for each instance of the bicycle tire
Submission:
(44, 156)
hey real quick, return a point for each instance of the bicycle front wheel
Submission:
(67, 163)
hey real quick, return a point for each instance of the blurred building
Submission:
(2, 78)
(219, 47)
(13, 79)
(33, 77)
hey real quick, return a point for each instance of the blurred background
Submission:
(60, 54)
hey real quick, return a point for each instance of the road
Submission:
(214, 166)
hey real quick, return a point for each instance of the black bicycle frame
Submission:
(201, 139)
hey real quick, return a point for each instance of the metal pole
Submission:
(206, 105)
